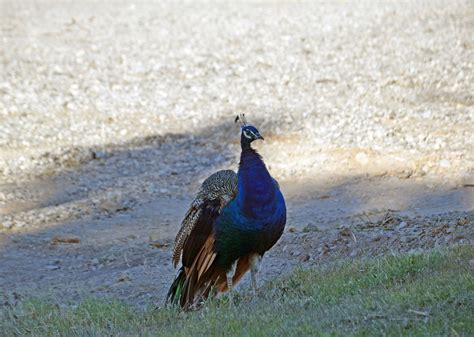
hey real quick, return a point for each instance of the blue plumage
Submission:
(228, 238)
(255, 219)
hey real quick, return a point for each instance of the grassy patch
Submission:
(426, 294)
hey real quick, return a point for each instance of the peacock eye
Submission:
(247, 134)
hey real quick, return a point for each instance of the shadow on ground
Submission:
(104, 224)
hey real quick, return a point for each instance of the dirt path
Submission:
(122, 249)
(111, 115)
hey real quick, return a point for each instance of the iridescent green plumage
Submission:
(233, 221)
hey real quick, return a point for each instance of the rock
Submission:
(402, 225)
(7, 224)
(305, 257)
(95, 261)
(20, 224)
(112, 206)
(471, 264)
(159, 244)
(354, 253)
(98, 154)
(324, 249)
(123, 278)
(310, 228)
(450, 230)
(406, 239)
(291, 229)
(345, 231)
(439, 229)
(468, 180)
(362, 158)
(378, 237)
(416, 250)
(444, 163)
(64, 239)
(54, 266)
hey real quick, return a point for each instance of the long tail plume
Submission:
(176, 290)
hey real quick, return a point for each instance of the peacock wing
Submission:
(215, 192)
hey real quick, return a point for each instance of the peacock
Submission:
(234, 219)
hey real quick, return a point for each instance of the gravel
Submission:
(382, 85)
(111, 114)
(371, 239)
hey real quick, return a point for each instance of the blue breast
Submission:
(255, 219)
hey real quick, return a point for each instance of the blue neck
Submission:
(256, 195)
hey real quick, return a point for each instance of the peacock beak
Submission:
(259, 136)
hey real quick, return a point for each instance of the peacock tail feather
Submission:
(234, 219)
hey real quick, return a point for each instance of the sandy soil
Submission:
(111, 115)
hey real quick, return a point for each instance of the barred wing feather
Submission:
(216, 191)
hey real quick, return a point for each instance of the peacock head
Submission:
(248, 133)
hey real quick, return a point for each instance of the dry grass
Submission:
(425, 294)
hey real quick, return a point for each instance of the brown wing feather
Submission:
(200, 233)
(194, 242)
(198, 275)
(243, 266)
(215, 192)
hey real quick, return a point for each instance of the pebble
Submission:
(305, 258)
(7, 224)
(402, 225)
(406, 238)
(124, 278)
(310, 228)
(20, 224)
(345, 231)
(362, 158)
(98, 154)
(296, 253)
(417, 250)
(462, 221)
(111, 206)
(354, 253)
(54, 265)
(378, 237)
(144, 99)
(444, 163)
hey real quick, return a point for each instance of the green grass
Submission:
(429, 294)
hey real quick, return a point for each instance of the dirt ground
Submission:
(111, 115)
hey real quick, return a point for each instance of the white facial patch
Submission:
(248, 134)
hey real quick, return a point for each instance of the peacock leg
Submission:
(229, 275)
(255, 261)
